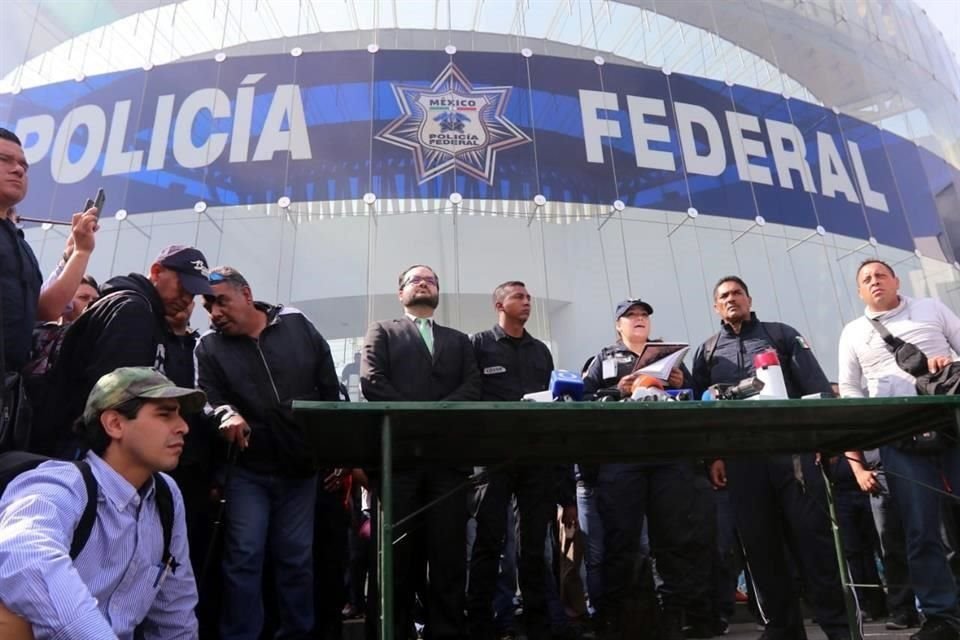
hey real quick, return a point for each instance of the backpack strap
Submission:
(709, 347)
(164, 498)
(84, 528)
(82, 533)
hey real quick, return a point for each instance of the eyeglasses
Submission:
(418, 279)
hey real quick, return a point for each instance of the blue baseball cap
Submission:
(626, 305)
(190, 265)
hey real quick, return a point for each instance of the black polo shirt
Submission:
(511, 367)
(20, 282)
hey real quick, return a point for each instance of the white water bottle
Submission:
(767, 367)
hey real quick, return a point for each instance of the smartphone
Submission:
(98, 202)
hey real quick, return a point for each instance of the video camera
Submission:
(746, 388)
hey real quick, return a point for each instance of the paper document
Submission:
(658, 359)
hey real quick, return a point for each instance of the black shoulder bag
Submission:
(945, 382)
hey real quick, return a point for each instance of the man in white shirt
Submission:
(863, 355)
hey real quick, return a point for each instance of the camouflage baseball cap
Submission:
(127, 383)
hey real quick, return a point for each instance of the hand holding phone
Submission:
(98, 202)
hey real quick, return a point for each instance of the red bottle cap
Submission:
(766, 359)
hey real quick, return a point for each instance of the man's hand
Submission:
(333, 482)
(867, 479)
(676, 378)
(236, 430)
(938, 362)
(718, 474)
(85, 226)
(570, 517)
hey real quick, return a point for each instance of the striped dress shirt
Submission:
(116, 583)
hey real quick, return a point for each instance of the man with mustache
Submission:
(778, 501)
(863, 355)
(127, 327)
(131, 575)
(258, 359)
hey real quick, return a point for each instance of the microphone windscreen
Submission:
(647, 381)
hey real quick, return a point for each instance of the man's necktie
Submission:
(423, 324)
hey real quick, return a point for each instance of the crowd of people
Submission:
(179, 499)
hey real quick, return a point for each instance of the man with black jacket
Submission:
(512, 363)
(127, 327)
(252, 365)
(413, 358)
(778, 501)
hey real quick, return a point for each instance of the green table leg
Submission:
(849, 597)
(386, 532)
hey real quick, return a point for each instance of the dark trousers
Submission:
(893, 544)
(329, 563)
(536, 507)
(860, 544)
(195, 481)
(728, 558)
(359, 552)
(436, 539)
(667, 496)
(777, 511)
(921, 512)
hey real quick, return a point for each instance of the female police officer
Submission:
(664, 492)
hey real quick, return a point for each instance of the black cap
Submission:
(626, 305)
(190, 265)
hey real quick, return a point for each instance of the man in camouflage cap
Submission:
(128, 383)
(133, 571)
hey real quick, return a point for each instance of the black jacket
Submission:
(261, 377)
(511, 367)
(124, 328)
(396, 364)
(624, 361)
(731, 359)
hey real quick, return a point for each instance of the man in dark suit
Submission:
(413, 358)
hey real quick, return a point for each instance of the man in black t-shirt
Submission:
(513, 363)
(23, 301)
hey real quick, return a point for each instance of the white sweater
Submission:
(924, 322)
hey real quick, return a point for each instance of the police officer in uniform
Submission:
(778, 501)
(512, 363)
(665, 494)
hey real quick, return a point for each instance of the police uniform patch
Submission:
(803, 343)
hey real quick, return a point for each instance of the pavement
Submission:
(353, 630)
(871, 631)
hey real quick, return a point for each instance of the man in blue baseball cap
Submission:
(129, 326)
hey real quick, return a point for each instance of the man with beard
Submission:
(127, 327)
(413, 358)
(258, 359)
(779, 501)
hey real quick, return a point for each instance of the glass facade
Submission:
(611, 150)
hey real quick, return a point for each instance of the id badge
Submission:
(609, 368)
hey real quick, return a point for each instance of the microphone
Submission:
(565, 385)
(647, 388)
